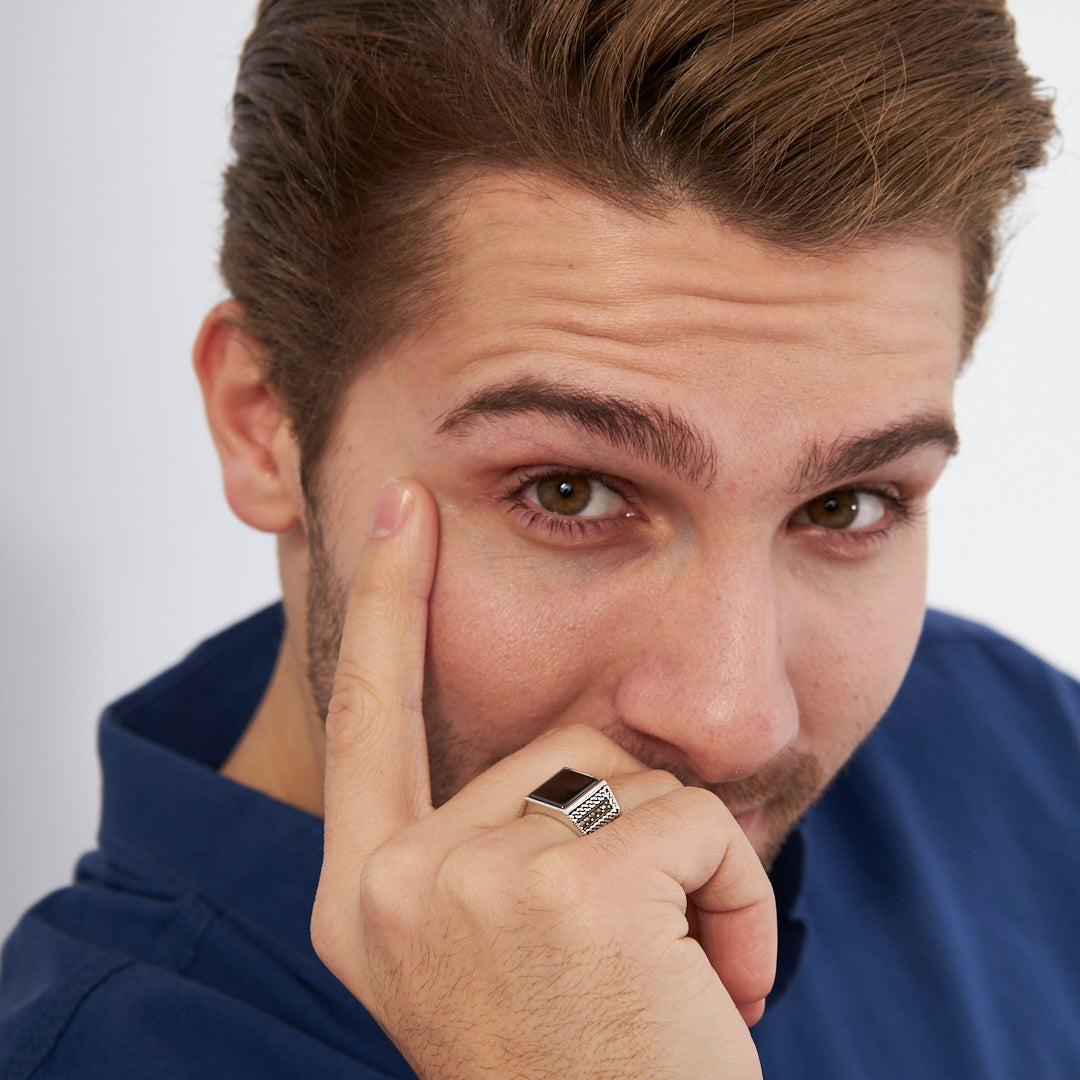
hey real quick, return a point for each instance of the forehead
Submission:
(506, 228)
(677, 309)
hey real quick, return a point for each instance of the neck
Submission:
(281, 752)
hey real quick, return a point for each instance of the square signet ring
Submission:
(583, 802)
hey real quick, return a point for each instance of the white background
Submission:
(117, 551)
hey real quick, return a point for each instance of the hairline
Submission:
(445, 199)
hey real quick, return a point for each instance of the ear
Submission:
(260, 463)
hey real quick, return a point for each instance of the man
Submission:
(592, 363)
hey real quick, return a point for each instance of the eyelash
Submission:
(901, 510)
(556, 525)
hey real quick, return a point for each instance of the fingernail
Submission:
(392, 509)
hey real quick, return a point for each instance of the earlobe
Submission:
(259, 459)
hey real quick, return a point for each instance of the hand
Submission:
(491, 945)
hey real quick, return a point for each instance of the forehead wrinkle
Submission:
(847, 456)
(645, 430)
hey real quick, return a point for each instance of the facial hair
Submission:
(784, 789)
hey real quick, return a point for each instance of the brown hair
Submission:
(812, 123)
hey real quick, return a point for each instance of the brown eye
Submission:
(567, 495)
(834, 510)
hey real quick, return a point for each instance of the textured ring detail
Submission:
(583, 802)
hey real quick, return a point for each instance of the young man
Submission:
(593, 363)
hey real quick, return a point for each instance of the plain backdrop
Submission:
(117, 551)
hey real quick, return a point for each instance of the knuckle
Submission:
(372, 590)
(698, 800)
(472, 876)
(356, 698)
(579, 740)
(391, 875)
(565, 878)
(325, 929)
(617, 847)
(357, 682)
(659, 780)
(333, 933)
(661, 777)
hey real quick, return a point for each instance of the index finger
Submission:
(377, 781)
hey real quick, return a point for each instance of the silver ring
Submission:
(583, 802)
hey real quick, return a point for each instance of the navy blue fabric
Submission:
(942, 882)
(927, 905)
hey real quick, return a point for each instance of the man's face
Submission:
(681, 477)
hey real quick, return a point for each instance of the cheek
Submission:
(856, 655)
(516, 645)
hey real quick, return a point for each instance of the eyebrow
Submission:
(676, 445)
(824, 466)
(647, 431)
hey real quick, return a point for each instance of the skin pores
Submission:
(729, 581)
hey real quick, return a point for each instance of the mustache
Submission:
(791, 780)
(789, 783)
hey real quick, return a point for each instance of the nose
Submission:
(710, 676)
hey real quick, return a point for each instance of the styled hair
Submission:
(815, 124)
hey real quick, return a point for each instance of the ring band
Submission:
(583, 802)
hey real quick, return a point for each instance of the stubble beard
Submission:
(785, 788)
